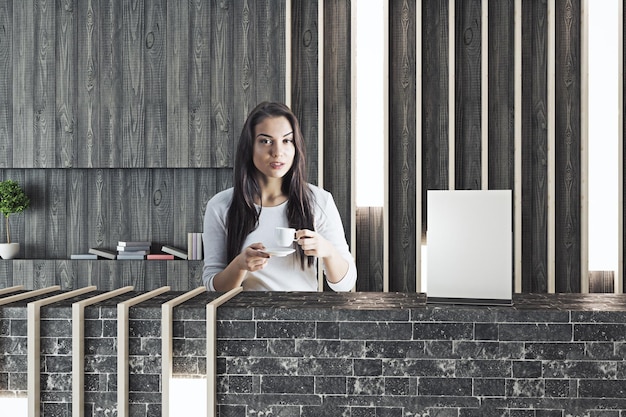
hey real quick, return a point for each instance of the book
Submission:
(83, 256)
(123, 256)
(103, 253)
(161, 256)
(174, 251)
(133, 249)
(136, 243)
(194, 246)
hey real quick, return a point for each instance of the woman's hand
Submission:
(313, 244)
(252, 259)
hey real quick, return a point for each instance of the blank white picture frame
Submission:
(469, 246)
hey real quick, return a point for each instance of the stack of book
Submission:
(133, 250)
(194, 246)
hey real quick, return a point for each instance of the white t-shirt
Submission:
(280, 273)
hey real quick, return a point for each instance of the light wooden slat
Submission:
(451, 94)
(29, 294)
(484, 94)
(517, 194)
(418, 147)
(167, 334)
(122, 347)
(78, 347)
(619, 276)
(211, 348)
(584, 147)
(11, 289)
(551, 147)
(34, 343)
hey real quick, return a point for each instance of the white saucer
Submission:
(278, 251)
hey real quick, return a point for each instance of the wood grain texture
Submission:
(501, 95)
(87, 123)
(133, 82)
(534, 148)
(23, 85)
(65, 150)
(155, 45)
(468, 98)
(305, 79)
(369, 248)
(402, 140)
(44, 86)
(568, 142)
(200, 78)
(6, 83)
(337, 108)
(110, 143)
(435, 113)
(269, 50)
(223, 131)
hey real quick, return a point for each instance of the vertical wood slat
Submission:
(567, 147)
(467, 90)
(451, 94)
(88, 78)
(517, 129)
(211, 348)
(243, 98)
(337, 162)
(167, 334)
(402, 142)
(269, 50)
(78, 347)
(484, 94)
(109, 150)
(22, 143)
(122, 347)
(155, 81)
(199, 87)
(222, 124)
(66, 53)
(6, 84)
(619, 276)
(33, 341)
(305, 86)
(551, 218)
(321, 71)
(288, 51)
(584, 147)
(419, 184)
(44, 145)
(133, 78)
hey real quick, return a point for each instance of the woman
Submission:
(270, 190)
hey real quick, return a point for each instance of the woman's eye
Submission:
(266, 141)
(288, 140)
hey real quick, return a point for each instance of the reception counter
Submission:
(332, 354)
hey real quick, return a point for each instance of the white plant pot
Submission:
(9, 250)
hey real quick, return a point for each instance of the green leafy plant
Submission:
(12, 200)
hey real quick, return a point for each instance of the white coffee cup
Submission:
(285, 236)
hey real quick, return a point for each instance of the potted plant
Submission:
(12, 200)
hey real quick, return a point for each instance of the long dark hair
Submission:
(243, 215)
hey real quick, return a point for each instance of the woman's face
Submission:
(274, 148)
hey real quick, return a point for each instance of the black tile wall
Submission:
(310, 354)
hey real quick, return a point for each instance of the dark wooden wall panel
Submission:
(369, 248)
(402, 143)
(305, 74)
(337, 107)
(435, 114)
(467, 125)
(501, 106)
(44, 141)
(568, 145)
(534, 147)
